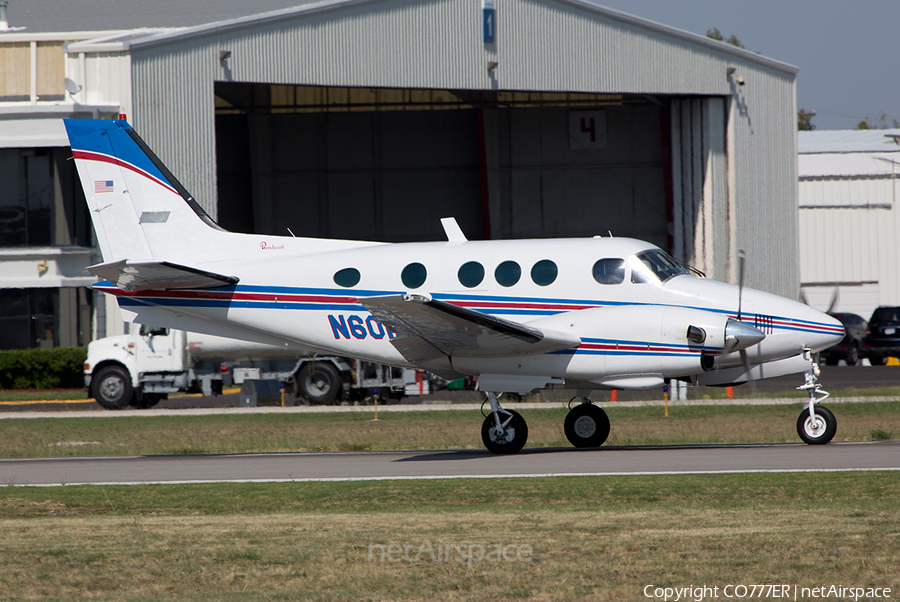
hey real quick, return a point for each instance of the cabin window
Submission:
(413, 275)
(610, 271)
(544, 272)
(471, 274)
(347, 277)
(508, 273)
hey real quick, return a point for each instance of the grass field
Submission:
(599, 538)
(559, 539)
(244, 433)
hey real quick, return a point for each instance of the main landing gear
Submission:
(505, 431)
(816, 425)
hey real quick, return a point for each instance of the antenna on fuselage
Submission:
(452, 230)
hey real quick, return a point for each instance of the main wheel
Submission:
(509, 437)
(818, 431)
(586, 426)
(112, 388)
(319, 382)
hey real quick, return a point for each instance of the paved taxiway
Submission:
(451, 464)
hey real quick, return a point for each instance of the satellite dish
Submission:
(70, 86)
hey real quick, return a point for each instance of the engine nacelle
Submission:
(649, 340)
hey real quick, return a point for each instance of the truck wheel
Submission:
(319, 382)
(112, 388)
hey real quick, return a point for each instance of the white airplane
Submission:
(520, 315)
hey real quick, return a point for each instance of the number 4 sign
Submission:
(587, 129)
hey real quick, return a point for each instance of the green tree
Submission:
(715, 34)
(804, 121)
(881, 124)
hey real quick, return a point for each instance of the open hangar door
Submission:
(387, 164)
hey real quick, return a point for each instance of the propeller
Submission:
(741, 257)
(744, 358)
(834, 299)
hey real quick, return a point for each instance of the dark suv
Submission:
(851, 347)
(883, 337)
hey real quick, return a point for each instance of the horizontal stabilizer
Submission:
(428, 328)
(133, 276)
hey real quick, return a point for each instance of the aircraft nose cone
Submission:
(826, 330)
(739, 335)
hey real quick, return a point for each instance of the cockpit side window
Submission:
(609, 271)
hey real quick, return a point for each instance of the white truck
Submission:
(141, 368)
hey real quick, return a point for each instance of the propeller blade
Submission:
(834, 299)
(741, 257)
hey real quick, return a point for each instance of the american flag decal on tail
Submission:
(103, 186)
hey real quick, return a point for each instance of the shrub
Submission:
(60, 368)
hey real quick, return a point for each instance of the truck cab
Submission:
(139, 368)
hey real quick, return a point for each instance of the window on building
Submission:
(41, 201)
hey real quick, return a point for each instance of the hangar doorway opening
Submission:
(386, 164)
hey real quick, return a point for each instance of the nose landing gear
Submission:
(816, 425)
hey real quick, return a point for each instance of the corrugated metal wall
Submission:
(548, 45)
(848, 229)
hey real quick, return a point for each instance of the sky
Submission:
(848, 52)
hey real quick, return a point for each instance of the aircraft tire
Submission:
(508, 441)
(586, 426)
(112, 388)
(820, 433)
(319, 382)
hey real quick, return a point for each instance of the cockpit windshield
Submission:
(656, 264)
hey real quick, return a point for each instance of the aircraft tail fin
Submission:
(139, 210)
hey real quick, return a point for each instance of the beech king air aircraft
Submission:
(520, 315)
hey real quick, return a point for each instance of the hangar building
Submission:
(372, 119)
(849, 219)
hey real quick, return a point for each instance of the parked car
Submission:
(883, 335)
(851, 348)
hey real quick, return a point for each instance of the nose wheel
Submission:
(817, 429)
(816, 425)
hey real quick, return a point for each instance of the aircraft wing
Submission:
(131, 276)
(427, 328)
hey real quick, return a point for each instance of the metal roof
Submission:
(826, 165)
(44, 16)
(848, 141)
(202, 17)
